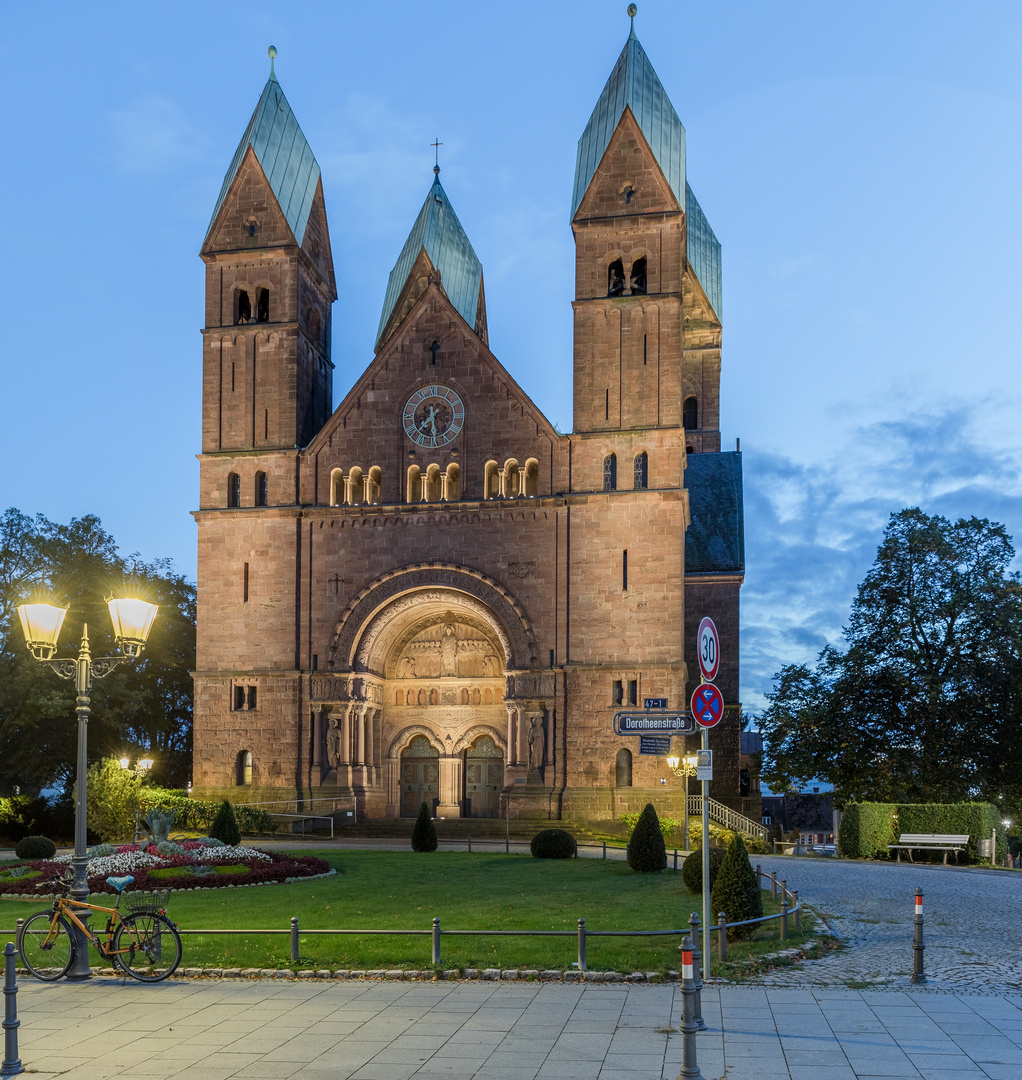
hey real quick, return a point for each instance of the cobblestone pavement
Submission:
(971, 929)
(195, 1030)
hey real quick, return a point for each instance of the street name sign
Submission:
(653, 723)
(708, 649)
(707, 705)
(658, 745)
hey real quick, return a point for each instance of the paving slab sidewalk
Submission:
(367, 1030)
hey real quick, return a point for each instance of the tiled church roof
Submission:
(283, 154)
(634, 83)
(438, 230)
(715, 539)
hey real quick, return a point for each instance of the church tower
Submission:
(647, 268)
(267, 375)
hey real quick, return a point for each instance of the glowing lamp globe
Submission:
(41, 624)
(672, 761)
(132, 619)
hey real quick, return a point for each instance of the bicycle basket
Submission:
(147, 901)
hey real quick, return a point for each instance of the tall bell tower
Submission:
(267, 373)
(647, 268)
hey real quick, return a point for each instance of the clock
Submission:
(433, 416)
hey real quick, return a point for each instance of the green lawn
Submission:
(405, 890)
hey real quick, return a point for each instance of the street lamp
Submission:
(142, 766)
(686, 767)
(132, 620)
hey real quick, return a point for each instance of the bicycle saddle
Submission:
(120, 883)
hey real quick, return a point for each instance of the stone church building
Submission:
(429, 592)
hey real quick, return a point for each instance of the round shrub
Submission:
(210, 842)
(424, 832)
(692, 871)
(167, 848)
(647, 853)
(101, 851)
(35, 847)
(553, 844)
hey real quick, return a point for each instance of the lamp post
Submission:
(142, 766)
(132, 620)
(686, 767)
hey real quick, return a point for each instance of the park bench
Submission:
(929, 842)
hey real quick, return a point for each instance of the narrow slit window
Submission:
(645, 348)
(245, 769)
(641, 471)
(261, 489)
(624, 570)
(244, 585)
(633, 691)
(615, 278)
(690, 413)
(606, 404)
(234, 490)
(637, 278)
(243, 308)
(623, 768)
(263, 305)
(618, 692)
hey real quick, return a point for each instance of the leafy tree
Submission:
(145, 705)
(647, 853)
(424, 831)
(111, 799)
(924, 704)
(225, 826)
(736, 891)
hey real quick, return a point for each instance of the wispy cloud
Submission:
(812, 530)
(152, 135)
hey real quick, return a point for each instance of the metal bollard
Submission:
(507, 845)
(784, 918)
(689, 1066)
(721, 936)
(294, 938)
(12, 1063)
(582, 945)
(436, 941)
(798, 911)
(918, 975)
(697, 969)
(604, 848)
(759, 877)
(470, 843)
(773, 884)
(675, 858)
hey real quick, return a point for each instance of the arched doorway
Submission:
(484, 777)
(420, 776)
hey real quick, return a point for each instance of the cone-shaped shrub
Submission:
(424, 833)
(692, 871)
(736, 891)
(647, 853)
(225, 825)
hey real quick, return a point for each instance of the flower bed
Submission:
(194, 866)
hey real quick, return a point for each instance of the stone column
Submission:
(512, 744)
(320, 720)
(502, 478)
(360, 736)
(521, 481)
(424, 485)
(523, 738)
(450, 787)
(347, 491)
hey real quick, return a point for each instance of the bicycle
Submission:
(137, 942)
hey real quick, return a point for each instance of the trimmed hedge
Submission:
(35, 847)
(692, 871)
(197, 815)
(867, 828)
(553, 844)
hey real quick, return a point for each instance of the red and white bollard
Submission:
(918, 976)
(689, 1027)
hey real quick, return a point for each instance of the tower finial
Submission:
(271, 52)
(436, 159)
(632, 12)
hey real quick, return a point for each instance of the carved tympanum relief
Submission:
(449, 650)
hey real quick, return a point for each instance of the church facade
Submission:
(429, 593)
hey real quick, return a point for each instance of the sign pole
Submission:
(706, 866)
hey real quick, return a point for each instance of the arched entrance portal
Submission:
(420, 776)
(484, 777)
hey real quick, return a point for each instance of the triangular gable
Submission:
(230, 228)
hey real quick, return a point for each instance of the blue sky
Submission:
(859, 163)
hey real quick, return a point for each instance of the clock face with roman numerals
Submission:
(433, 416)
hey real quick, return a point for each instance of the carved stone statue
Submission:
(537, 745)
(333, 743)
(490, 666)
(449, 651)
(407, 668)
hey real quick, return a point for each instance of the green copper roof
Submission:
(715, 540)
(284, 156)
(634, 83)
(438, 230)
(703, 251)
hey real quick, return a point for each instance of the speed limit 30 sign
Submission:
(708, 649)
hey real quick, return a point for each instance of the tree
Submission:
(424, 831)
(111, 798)
(140, 706)
(736, 890)
(225, 826)
(647, 853)
(924, 703)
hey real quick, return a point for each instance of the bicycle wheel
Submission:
(152, 946)
(46, 955)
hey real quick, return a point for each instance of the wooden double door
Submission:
(420, 777)
(484, 777)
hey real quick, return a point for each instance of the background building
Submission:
(430, 593)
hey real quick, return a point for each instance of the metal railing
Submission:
(724, 815)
